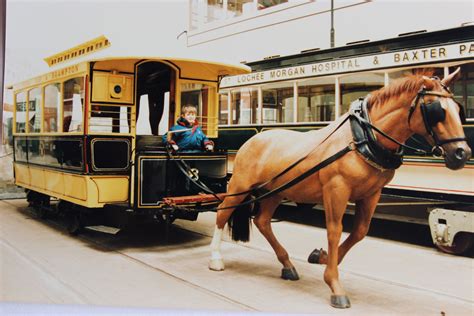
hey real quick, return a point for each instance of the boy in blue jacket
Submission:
(186, 135)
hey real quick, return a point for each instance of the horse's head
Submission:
(439, 118)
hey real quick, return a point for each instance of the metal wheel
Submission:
(74, 224)
(461, 244)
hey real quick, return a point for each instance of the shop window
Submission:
(52, 98)
(277, 103)
(73, 105)
(34, 110)
(358, 85)
(20, 107)
(316, 100)
(265, 4)
(244, 102)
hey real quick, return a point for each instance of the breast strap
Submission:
(365, 141)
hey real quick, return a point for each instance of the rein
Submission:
(354, 115)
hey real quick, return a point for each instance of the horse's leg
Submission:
(364, 211)
(216, 263)
(335, 202)
(263, 222)
(363, 214)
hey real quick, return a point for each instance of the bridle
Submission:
(434, 113)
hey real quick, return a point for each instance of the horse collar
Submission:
(365, 141)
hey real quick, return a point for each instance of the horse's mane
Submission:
(410, 83)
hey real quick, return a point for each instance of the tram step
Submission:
(104, 229)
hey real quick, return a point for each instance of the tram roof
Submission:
(195, 69)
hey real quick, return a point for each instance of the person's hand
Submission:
(175, 147)
(209, 147)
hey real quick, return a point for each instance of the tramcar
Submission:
(88, 135)
(308, 90)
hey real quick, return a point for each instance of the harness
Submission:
(364, 142)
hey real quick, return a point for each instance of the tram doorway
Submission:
(155, 97)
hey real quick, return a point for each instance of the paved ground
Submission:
(42, 264)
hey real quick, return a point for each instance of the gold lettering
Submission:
(463, 49)
(442, 52)
(396, 57)
(433, 53)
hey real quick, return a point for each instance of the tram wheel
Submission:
(74, 224)
(461, 244)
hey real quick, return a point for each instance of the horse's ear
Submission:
(452, 77)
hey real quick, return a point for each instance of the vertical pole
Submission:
(337, 99)
(3, 9)
(260, 105)
(332, 24)
(295, 102)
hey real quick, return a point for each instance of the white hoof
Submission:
(216, 264)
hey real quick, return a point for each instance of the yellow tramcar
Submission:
(89, 135)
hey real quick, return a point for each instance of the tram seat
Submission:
(149, 142)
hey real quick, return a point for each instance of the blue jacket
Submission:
(192, 138)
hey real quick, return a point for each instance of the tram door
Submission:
(155, 114)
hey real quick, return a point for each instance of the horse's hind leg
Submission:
(363, 214)
(263, 222)
(216, 263)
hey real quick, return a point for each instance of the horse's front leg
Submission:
(216, 263)
(335, 202)
(364, 211)
(363, 215)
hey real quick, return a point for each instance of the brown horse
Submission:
(413, 105)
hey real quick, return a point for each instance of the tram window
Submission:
(52, 97)
(439, 72)
(109, 119)
(73, 104)
(277, 103)
(316, 101)
(463, 89)
(201, 96)
(244, 105)
(357, 86)
(34, 110)
(20, 108)
(224, 108)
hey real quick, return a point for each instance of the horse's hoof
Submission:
(216, 264)
(340, 301)
(315, 256)
(289, 274)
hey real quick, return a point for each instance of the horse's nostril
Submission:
(460, 154)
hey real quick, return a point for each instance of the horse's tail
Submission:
(240, 220)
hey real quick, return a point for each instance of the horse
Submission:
(417, 104)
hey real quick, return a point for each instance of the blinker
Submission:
(433, 112)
